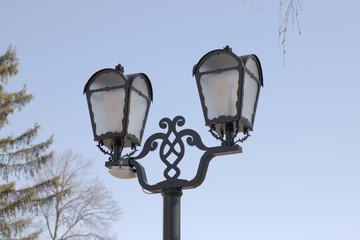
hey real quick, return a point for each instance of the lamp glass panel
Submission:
(140, 84)
(220, 93)
(250, 91)
(218, 61)
(107, 79)
(252, 66)
(138, 107)
(108, 110)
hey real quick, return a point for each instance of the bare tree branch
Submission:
(293, 8)
(83, 208)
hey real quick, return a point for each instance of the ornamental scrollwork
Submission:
(170, 144)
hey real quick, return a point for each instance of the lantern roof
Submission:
(242, 59)
(245, 60)
(97, 73)
(129, 78)
(214, 52)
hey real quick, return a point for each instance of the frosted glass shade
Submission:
(108, 109)
(220, 93)
(229, 88)
(218, 75)
(107, 94)
(118, 106)
(138, 106)
(251, 88)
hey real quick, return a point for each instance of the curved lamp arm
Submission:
(177, 147)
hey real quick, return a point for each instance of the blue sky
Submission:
(298, 176)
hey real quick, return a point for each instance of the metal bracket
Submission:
(216, 136)
(176, 147)
(100, 145)
(221, 137)
(115, 158)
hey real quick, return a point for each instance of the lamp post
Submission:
(118, 104)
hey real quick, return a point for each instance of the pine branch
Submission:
(25, 203)
(26, 198)
(17, 206)
(13, 228)
(6, 190)
(29, 168)
(24, 139)
(26, 153)
(9, 102)
(8, 64)
(18, 156)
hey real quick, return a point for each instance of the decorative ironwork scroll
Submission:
(221, 136)
(116, 158)
(172, 144)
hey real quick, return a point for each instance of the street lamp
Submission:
(118, 104)
(229, 88)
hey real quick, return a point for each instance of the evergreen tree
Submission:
(20, 158)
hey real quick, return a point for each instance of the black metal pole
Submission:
(171, 213)
(117, 148)
(229, 130)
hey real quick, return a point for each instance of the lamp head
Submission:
(118, 106)
(229, 88)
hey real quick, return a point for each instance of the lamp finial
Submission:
(228, 48)
(120, 68)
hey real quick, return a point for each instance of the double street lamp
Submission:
(119, 104)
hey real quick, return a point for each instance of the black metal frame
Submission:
(125, 86)
(198, 75)
(222, 128)
(192, 139)
(125, 138)
(171, 188)
(131, 78)
(221, 124)
(259, 81)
